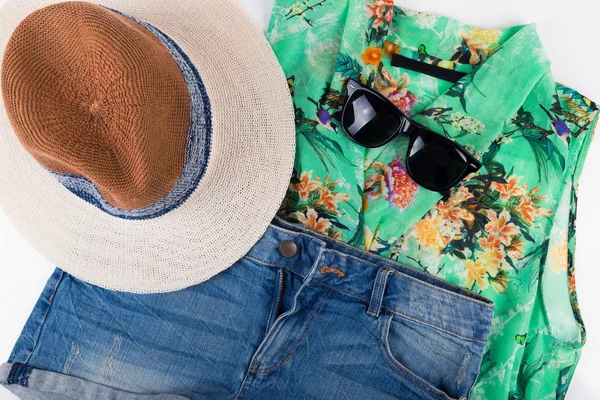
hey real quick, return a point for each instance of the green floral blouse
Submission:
(507, 231)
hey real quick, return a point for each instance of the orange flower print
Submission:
(461, 195)
(499, 225)
(372, 56)
(381, 10)
(572, 283)
(306, 185)
(402, 188)
(365, 203)
(489, 242)
(529, 211)
(476, 273)
(509, 189)
(451, 210)
(312, 221)
(330, 200)
(515, 250)
(392, 182)
(390, 48)
(405, 101)
(396, 91)
(337, 235)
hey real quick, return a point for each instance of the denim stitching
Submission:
(378, 294)
(19, 374)
(463, 293)
(357, 296)
(416, 320)
(367, 300)
(389, 262)
(304, 233)
(396, 366)
(375, 297)
(314, 267)
(299, 341)
(244, 389)
(275, 265)
(402, 275)
(272, 303)
(43, 321)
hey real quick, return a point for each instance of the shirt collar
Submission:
(491, 94)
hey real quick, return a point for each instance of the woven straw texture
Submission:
(251, 159)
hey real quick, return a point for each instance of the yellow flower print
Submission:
(446, 64)
(306, 185)
(500, 282)
(492, 260)
(510, 189)
(429, 235)
(476, 273)
(500, 226)
(481, 42)
(486, 269)
(372, 56)
(558, 256)
(371, 243)
(312, 221)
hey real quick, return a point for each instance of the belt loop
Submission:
(378, 291)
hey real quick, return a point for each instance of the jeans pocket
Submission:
(444, 365)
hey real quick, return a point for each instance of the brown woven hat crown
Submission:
(92, 93)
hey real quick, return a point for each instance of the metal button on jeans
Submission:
(288, 249)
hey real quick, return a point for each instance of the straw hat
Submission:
(145, 146)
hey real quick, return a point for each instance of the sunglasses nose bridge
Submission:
(406, 126)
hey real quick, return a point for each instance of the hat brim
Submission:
(251, 161)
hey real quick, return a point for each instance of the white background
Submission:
(569, 32)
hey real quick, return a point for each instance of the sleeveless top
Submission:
(507, 231)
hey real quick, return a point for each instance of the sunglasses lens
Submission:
(369, 120)
(434, 163)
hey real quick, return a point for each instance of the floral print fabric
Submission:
(507, 231)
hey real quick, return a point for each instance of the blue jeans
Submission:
(299, 317)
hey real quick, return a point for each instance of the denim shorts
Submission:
(299, 317)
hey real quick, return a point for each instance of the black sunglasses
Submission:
(432, 161)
